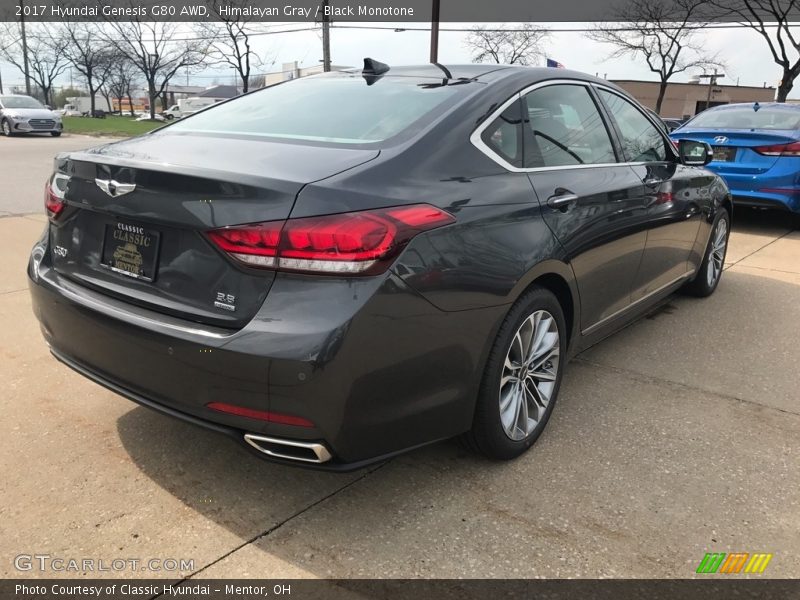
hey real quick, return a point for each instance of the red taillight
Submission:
(260, 415)
(53, 204)
(54, 191)
(355, 243)
(792, 149)
(256, 245)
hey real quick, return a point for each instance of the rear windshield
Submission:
(19, 102)
(333, 109)
(744, 117)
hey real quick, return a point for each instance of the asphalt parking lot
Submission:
(678, 436)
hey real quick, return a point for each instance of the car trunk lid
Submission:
(734, 150)
(148, 245)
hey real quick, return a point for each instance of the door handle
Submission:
(653, 182)
(561, 199)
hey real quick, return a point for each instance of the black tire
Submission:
(55, 133)
(5, 126)
(488, 434)
(703, 285)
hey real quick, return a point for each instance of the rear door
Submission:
(670, 195)
(592, 202)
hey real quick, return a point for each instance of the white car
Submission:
(23, 114)
(146, 117)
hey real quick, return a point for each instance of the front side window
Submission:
(641, 140)
(565, 128)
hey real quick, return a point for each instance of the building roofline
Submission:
(723, 85)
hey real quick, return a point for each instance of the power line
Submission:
(401, 29)
(555, 30)
(40, 37)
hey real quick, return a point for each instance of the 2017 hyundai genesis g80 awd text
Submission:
(342, 267)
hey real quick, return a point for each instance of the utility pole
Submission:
(712, 81)
(326, 37)
(24, 48)
(435, 31)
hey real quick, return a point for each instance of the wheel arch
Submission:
(558, 278)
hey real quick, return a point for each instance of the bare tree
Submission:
(158, 49)
(45, 55)
(89, 54)
(231, 42)
(663, 33)
(782, 37)
(510, 46)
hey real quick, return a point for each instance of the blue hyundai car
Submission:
(756, 150)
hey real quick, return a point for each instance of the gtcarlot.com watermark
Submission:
(46, 563)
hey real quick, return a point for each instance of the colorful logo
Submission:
(735, 562)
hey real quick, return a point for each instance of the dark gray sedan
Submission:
(343, 267)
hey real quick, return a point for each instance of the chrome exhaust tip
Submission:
(310, 452)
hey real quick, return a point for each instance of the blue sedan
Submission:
(756, 150)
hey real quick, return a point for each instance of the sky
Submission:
(745, 54)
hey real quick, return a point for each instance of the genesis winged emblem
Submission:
(114, 188)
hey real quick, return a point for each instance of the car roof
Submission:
(490, 72)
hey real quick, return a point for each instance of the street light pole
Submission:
(435, 31)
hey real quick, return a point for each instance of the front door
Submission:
(670, 195)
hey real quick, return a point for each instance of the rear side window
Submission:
(503, 137)
(333, 109)
(641, 140)
(565, 128)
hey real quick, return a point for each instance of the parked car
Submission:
(756, 150)
(672, 123)
(173, 112)
(342, 267)
(23, 114)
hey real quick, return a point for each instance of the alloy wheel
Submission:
(716, 258)
(6, 128)
(529, 375)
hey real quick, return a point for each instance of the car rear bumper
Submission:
(375, 367)
(779, 187)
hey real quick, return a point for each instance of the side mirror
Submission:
(694, 153)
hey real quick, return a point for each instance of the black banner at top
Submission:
(352, 10)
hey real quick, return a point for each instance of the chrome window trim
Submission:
(477, 141)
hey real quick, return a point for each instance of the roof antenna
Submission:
(373, 70)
